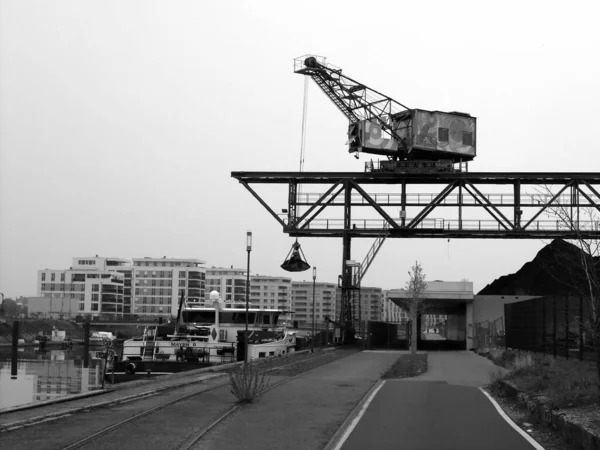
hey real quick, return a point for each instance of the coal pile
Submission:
(556, 269)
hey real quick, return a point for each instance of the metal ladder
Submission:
(149, 347)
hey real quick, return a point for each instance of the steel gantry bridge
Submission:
(459, 205)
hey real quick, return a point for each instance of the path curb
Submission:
(571, 432)
(333, 442)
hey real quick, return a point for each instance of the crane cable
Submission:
(303, 136)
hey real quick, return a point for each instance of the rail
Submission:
(189, 440)
(424, 199)
(446, 225)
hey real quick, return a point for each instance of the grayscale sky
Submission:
(121, 121)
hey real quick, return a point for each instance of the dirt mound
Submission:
(556, 269)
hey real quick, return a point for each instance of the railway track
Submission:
(283, 373)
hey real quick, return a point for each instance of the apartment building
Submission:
(302, 301)
(371, 299)
(93, 282)
(159, 284)
(390, 312)
(230, 283)
(115, 286)
(268, 292)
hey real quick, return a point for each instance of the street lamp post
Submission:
(312, 340)
(248, 249)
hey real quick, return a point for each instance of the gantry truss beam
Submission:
(519, 213)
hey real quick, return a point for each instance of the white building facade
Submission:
(302, 302)
(116, 287)
(159, 284)
(230, 283)
(272, 293)
(93, 282)
(390, 312)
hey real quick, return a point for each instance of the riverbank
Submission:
(30, 328)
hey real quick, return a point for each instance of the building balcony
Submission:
(110, 289)
(193, 293)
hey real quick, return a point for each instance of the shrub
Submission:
(524, 363)
(247, 382)
(508, 356)
(495, 380)
(564, 383)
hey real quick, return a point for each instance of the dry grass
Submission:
(407, 366)
(247, 382)
(564, 383)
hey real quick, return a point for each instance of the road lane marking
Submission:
(355, 421)
(516, 427)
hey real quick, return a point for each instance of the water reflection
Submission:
(46, 376)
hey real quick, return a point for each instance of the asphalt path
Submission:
(432, 415)
(441, 409)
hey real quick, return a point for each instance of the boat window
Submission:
(199, 316)
(266, 319)
(236, 317)
(226, 317)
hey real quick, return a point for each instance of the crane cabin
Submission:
(418, 134)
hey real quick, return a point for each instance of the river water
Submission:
(47, 375)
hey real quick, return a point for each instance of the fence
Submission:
(553, 325)
(488, 334)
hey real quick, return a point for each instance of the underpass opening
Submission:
(448, 333)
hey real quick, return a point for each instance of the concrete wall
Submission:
(491, 307)
(455, 290)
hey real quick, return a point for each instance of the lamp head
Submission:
(314, 273)
(248, 240)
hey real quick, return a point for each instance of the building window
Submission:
(81, 306)
(52, 277)
(95, 287)
(94, 306)
(181, 274)
(443, 134)
(182, 283)
(467, 138)
(62, 276)
(43, 276)
(95, 297)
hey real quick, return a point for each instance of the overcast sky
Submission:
(121, 121)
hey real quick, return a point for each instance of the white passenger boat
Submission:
(99, 337)
(213, 334)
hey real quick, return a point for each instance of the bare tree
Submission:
(414, 304)
(579, 268)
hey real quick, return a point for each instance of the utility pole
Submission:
(312, 340)
(248, 249)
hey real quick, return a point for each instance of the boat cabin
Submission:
(232, 316)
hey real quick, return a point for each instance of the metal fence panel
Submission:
(551, 324)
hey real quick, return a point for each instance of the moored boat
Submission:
(212, 334)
